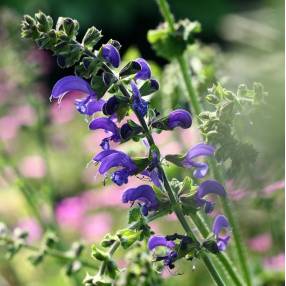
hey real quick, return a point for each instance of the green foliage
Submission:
(168, 44)
(219, 126)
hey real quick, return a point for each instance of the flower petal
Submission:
(143, 193)
(210, 187)
(220, 223)
(68, 84)
(89, 105)
(179, 118)
(118, 159)
(111, 55)
(201, 149)
(139, 104)
(145, 72)
(157, 240)
(107, 124)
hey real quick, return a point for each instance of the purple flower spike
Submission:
(139, 105)
(205, 188)
(145, 72)
(111, 55)
(201, 149)
(144, 195)
(219, 224)
(157, 240)
(106, 124)
(179, 118)
(68, 84)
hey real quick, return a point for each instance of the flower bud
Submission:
(91, 38)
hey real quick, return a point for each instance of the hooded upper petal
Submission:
(71, 83)
(179, 118)
(111, 55)
(118, 159)
(210, 187)
(107, 124)
(158, 240)
(139, 104)
(219, 224)
(143, 193)
(145, 72)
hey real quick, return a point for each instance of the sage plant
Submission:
(110, 94)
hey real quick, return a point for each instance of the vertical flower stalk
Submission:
(218, 174)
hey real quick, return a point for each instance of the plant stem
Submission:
(221, 256)
(168, 16)
(52, 252)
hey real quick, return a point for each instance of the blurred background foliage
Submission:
(48, 148)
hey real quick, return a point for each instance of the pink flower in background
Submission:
(9, 126)
(260, 243)
(94, 227)
(64, 112)
(33, 166)
(275, 263)
(41, 58)
(25, 114)
(235, 194)
(279, 185)
(70, 212)
(32, 227)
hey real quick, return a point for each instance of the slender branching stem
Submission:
(197, 108)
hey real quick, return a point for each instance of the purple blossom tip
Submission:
(145, 72)
(219, 224)
(139, 105)
(111, 55)
(157, 240)
(210, 187)
(179, 118)
(201, 149)
(106, 124)
(144, 194)
(89, 105)
(68, 84)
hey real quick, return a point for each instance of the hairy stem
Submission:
(53, 253)
(168, 16)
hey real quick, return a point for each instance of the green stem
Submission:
(52, 252)
(168, 16)
(221, 256)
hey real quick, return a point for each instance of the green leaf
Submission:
(99, 254)
(111, 269)
(127, 237)
(134, 215)
(91, 38)
(130, 69)
(108, 240)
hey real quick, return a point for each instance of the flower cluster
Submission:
(107, 99)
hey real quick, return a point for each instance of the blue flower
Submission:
(171, 255)
(205, 188)
(145, 72)
(111, 55)
(87, 105)
(111, 158)
(139, 105)
(109, 126)
(219, 224)
(143, 194)
(111, 105)
(201, 149)
(179, 118)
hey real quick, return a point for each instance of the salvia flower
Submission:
(111, 158)
(219, 224)
(87, 105)
(144, 195)
(177, 118)
(201, 149)
(108, 125)
(145, 72)
(171, 255)
(188, 160)
(139, 105)
(205, 188)
(111, 55)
